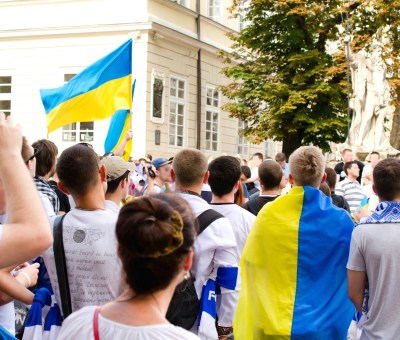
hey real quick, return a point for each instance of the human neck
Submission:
(271, 192)
(158, 182)
(228, 198)
(351, 178)
(93, 200)
(192, 188)
(114, 197)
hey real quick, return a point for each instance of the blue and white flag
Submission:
(226, 280)
(34, 329)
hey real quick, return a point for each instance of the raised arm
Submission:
(27, 233)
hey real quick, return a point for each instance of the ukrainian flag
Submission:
(94, 94)
(120, 124)
(293, 270)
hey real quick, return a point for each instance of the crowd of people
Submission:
(190, 247)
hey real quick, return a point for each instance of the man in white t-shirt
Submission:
(224, 180)
(256, 160)
(90, 245)
(215, 247)
(117, 181)
(375, 257)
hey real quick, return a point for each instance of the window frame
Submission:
(243, 145)
(177, 101)
(6, 97)
(213, 110)
(212, 6)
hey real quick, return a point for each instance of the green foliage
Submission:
(285, 82)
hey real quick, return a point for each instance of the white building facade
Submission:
(177, 104)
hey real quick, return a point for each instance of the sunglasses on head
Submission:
(87, 145)
(35, 153)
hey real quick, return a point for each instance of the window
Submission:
(181, 2)
(212, 118)
(214, 9)
(177, 109)
(243, 144)
(272, 148)
(5, 94)
(79, 131)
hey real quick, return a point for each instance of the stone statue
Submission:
(158, 88)
(370, 100)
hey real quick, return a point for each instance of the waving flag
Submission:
(120, 124)
(94, 94)
(293, 270)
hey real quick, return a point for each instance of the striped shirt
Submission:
(351, 191)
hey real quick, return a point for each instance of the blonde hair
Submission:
(307, 165)
(190, 166)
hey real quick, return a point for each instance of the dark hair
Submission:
(346, 150)
(280, 157)
(224, 171)
(375, 153)
(246, 171)
(348, 165)
(239, 195)
(324, 187)
(26, 149)
(143, 229)
(331, 177)
(386, 176)
(113, 185)
(259, 155)
(270, 173)
(78, 169)
(46, 156)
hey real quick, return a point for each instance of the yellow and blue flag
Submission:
(293, 270)
(120, 124)
(94, 94)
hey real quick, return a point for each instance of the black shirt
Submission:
(256, 204)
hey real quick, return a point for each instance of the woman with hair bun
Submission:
(155, 238)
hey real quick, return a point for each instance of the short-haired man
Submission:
(117, 181)
(224, 180)
(162, 170)
(90, 245)
(256, 160)
(375, 254)
(337, 200)
(366, 176)
(46, 160)
(347, 156)
(271, 174)
(294, 280)
(215, 249)
(350, 188)
(280, 158)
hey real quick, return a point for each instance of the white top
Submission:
(111, 206)
(215, 247)
(94, 270)
(7, 317)
(352, 191)
(254, 173)
(47, 206)
(79, 325)
(241, 220)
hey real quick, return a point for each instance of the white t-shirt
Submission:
(111, 206)
(79, 325)
(215, 247)
(7, 317)
(241, 220)
(94, 270)
(254, 173)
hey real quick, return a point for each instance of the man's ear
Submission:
(63, 188)
(173, 177)
(103, 173)
(374, 189)
(323, 180)
(291, 180)
(205, 178)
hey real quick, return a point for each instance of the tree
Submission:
(289, 69)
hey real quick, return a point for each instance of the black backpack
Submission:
(184, 307)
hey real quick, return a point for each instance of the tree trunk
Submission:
(290, 143)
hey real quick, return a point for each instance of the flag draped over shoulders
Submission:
(293, 270)
(94, 94)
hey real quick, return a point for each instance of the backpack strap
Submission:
(61, 266)
(206, 218)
